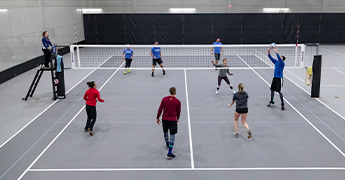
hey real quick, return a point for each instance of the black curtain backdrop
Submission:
(206, 28)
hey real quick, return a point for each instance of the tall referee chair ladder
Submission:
(38, 76)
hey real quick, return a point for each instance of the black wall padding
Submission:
(206, 28)
(315, 86)
(16, 70)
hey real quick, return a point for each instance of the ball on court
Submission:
(56, 81)
(273, 45)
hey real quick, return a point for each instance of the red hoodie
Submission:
(172, 108)
(91, 95)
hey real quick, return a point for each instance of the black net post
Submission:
(315, 86)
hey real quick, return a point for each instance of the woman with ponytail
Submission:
(90, 97)
(241, 98)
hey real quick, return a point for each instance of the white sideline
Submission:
(189, 169)
(177, 68)
(57, 136)
(333, 85)
(304, 89)
(338, 70)
(189, 124)
(9, 139)
(307, 120)
(20, 130)
(333, 51)
(315, 98)
(183, 46)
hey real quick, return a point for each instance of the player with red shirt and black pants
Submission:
(90, 97)
(171, 108)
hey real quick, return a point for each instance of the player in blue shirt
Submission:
(47, 46)
(278, 75)
(157, 58)
(217, 50)
(128, 55)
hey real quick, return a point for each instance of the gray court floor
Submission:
(306, 141)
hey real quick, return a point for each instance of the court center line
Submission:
(21, 129)
(189, 124)
(57, 136)
(307, 120)
(189, 169)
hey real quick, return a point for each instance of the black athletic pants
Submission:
(225, 79)
(91, 116)
(47, 56)
(128, 63)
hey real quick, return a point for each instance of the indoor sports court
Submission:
(135, 52)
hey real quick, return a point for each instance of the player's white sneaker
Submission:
(216, 92)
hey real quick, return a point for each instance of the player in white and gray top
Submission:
(223, 71)
(241, 99)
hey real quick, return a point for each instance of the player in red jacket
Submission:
(90, 97)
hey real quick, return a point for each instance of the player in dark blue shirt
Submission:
(128, 55)
(47, 45)
(276, 85)
(157, 58)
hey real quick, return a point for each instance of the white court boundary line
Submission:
(57, 136)
(303, 88)
(21, 129)
(183, 68)
(311, 124)
(338, 70)
(332, 85)
(188, 169)
(333, 52)
(317, 99)
(189, 124)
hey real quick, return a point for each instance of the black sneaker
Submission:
(152, 75)
(271, 102)
(231, 87)
(235, 135)
(283, 108)
(249, 134)
(163, 72)
(85, 129)
(170, 156)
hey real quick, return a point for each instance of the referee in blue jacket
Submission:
(47, 46)
(278, 76)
